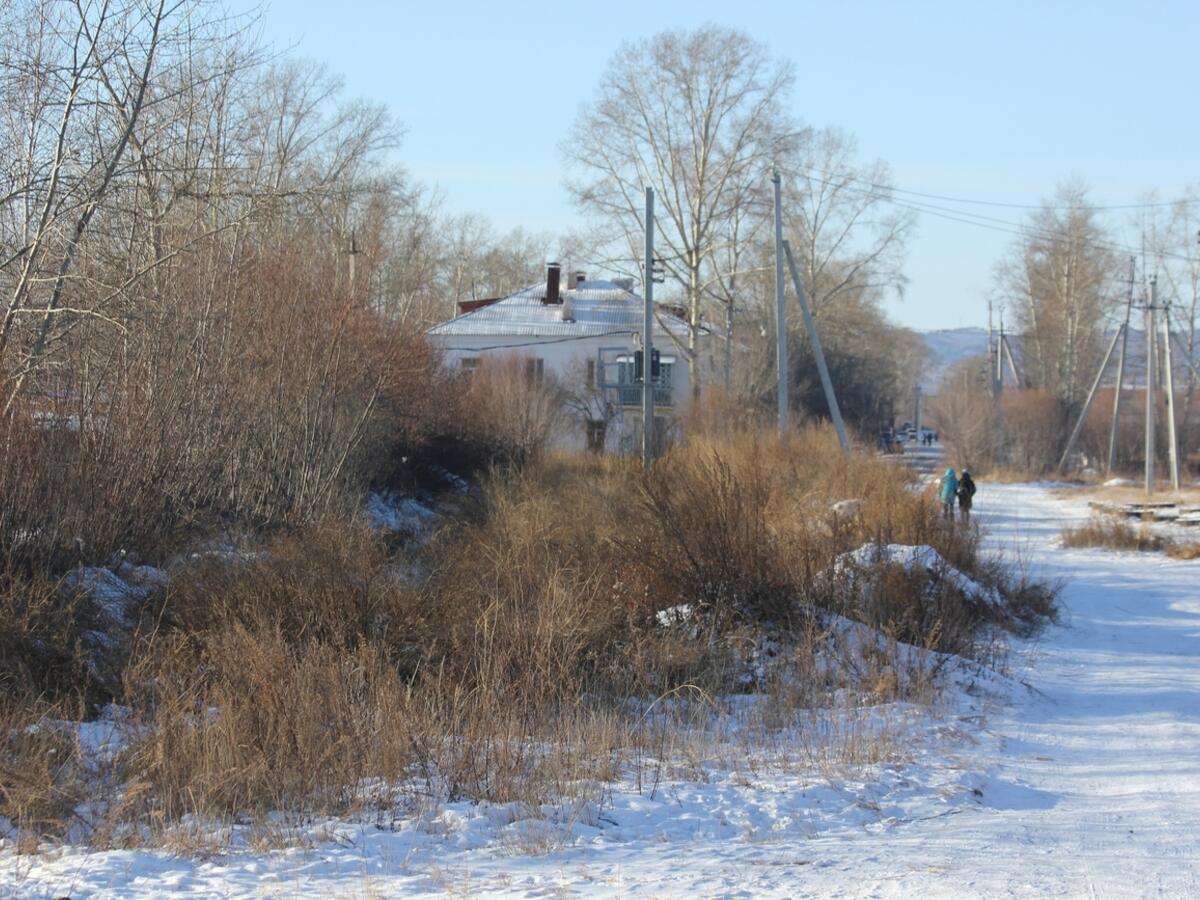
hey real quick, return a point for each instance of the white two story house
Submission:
(582, 333)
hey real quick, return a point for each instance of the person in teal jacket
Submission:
(948, 493)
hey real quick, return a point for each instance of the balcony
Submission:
(631, 395)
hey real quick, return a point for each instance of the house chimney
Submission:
(553, 272)
(578, 279)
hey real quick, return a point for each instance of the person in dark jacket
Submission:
(947, 494)
(966, 495)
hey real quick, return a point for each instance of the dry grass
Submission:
(43, 773)
(1128, 494)
(1113, 534)
(528, 666)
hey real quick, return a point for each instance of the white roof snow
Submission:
(596, 308)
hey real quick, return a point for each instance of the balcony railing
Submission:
(631, 395)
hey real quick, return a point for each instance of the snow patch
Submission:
(911, 557)
(850, 507)
(389, 513)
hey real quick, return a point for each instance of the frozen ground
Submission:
(1088, 787)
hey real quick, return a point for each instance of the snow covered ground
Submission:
(1088, 786)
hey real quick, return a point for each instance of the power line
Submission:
(979, 220)
(1081, 207)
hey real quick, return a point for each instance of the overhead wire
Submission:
(885, 194)
(1072, 207)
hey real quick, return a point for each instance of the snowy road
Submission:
(1104, 766)
(1091, 787)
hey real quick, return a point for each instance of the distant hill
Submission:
(947, 346)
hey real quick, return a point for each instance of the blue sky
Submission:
(996, 101)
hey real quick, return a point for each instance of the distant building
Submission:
(583, 334)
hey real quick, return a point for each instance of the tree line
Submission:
(215, 275)
(1067, 282)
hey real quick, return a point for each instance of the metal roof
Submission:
(597, 308)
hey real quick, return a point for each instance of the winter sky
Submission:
(994, 102)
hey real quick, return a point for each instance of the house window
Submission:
(596, 432)
(591, 374)
(534, 369)
(469, 364)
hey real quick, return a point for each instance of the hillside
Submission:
(948, 346)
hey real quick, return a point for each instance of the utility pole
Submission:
(1169, 388)
(998, 369)
(648, 339)
(835, 411)
(991, 358)
(1087, 404)
(1115, 431)
(1150, 401)
(354, 251)
(1012, 363)
(781, 357)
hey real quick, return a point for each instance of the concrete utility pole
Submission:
(1087, 404)
(835, 411)
(1114, 432)
(354, 251)
(991, 360)
(998, 369)
(1169, 388)
(1012, 363)
(648, 339)
(1150, 401)
(781, 355)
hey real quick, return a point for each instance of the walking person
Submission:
(966, 494)
(948, 494)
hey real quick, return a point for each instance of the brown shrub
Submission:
(1112, 534)
(245, 722)
(511, 409)
(330, 581)
(43, 771)
(308, 676)
(1183, 550)
(1035, 426)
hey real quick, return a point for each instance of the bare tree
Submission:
(1174, 241)
(699, 116)
(848, 236)
(965, 415)
(851, 244)
(90, 76)
(1058, 279)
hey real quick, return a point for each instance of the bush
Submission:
(314, 673)
(1112, 534)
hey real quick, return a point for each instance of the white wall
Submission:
(566, 360)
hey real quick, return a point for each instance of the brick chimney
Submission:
(553, 273)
